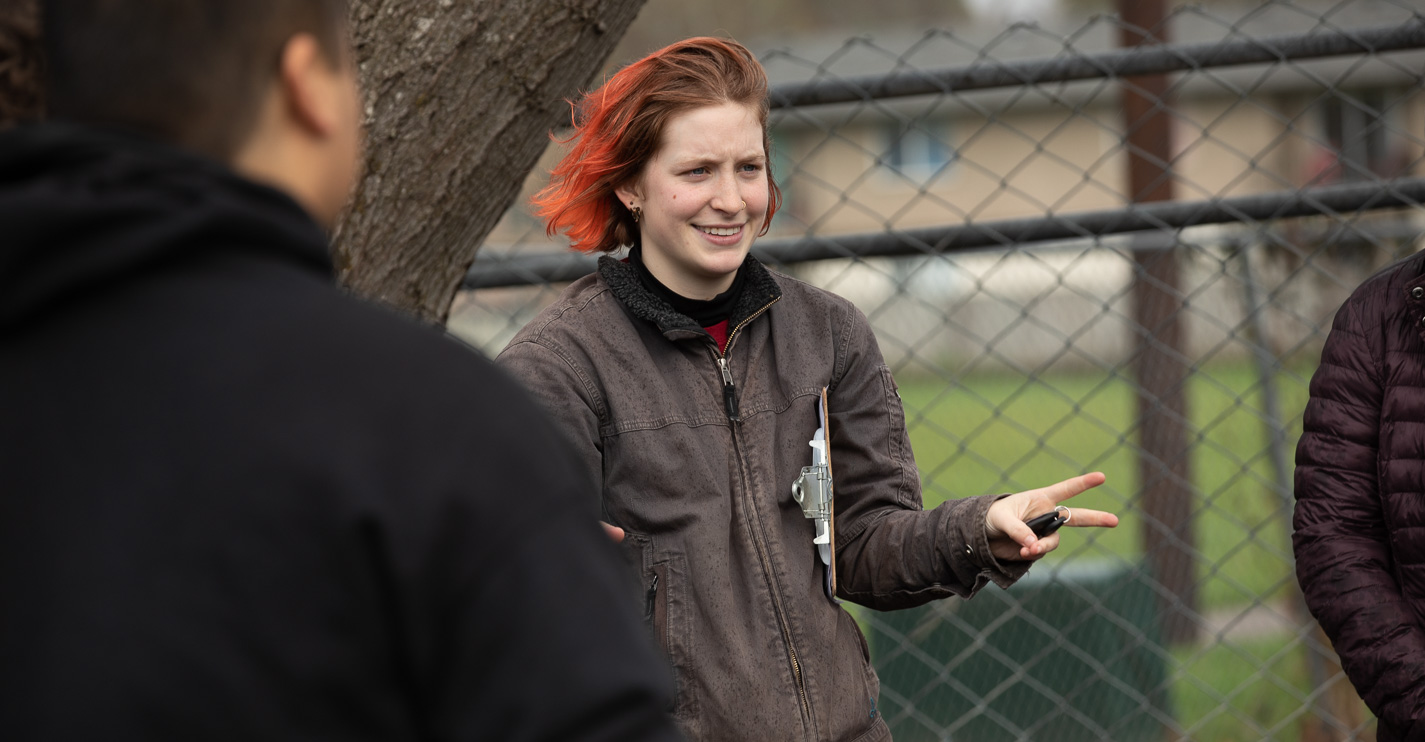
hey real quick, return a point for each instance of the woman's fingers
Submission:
(1081, 517)
(1040, 547)
(1073, 486)
(1016, 530)
(1011, 537)
(1085, 518)
(1019, 542)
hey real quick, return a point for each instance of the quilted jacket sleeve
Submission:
(1344, 561)
(890, 553)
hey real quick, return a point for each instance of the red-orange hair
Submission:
(619, 125)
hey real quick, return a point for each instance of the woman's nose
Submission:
(728, 198)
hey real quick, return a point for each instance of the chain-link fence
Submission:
(1082, 256)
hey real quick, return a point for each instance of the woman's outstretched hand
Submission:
(1011, 539)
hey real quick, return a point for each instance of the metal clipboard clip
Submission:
(814, 492)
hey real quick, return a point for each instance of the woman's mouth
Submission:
(720, 231)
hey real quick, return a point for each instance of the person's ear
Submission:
(309, 86)
(630, 194)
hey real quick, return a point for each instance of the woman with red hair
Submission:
(691, 379)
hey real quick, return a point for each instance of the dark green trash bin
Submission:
(1069, 653)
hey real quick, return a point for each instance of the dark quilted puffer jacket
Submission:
(1360, 491)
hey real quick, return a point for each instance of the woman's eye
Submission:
(751, 167)
(698, 171)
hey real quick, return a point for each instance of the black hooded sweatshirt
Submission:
(237, 504)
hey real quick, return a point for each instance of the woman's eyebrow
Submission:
(703, 160)
(696, 161)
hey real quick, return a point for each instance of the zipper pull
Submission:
(650, 596)
(729, 391)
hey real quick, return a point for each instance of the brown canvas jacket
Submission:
(699, 473)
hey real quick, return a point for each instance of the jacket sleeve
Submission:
(890, 553)
(572, 401)
(1343, 555)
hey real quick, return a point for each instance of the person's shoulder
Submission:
(1389, 287)
(581, 308)
(357, 326)
(798, 295)
(420, 372)
(395, 366)
(452, 426)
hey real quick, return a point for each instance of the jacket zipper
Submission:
(729, 392)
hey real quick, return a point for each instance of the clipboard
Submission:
(825, 420)
(814, 492)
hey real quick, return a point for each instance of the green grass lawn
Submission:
(1250, 690)
(1005, 433)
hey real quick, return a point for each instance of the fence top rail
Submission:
(1146, 60)
(493, 272)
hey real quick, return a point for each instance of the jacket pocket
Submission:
(655, 611)
(861, 639)
(666, 615)
(907, 479)
(855, 703)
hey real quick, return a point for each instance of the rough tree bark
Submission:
(459, 97)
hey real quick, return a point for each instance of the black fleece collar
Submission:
(760, 290)
(705, 312)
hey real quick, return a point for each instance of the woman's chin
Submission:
(724, 265)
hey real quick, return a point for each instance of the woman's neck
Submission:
(706, 312)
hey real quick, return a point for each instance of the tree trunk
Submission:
(459, 98)
(21, 85)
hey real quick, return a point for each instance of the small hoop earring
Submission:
(637, 213)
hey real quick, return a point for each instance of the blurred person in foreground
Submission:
(689, 377)
(235, 503)
(1360, 495)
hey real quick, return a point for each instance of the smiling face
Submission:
(704, 198)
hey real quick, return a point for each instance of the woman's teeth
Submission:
(721, 231)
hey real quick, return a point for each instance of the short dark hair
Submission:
(189, 72)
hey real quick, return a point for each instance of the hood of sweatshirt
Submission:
(82, 208)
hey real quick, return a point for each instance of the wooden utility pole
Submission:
(1160, 363)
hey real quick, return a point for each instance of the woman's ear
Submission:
(630, 194)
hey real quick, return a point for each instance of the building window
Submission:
(1361, 138)
(918, 150)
